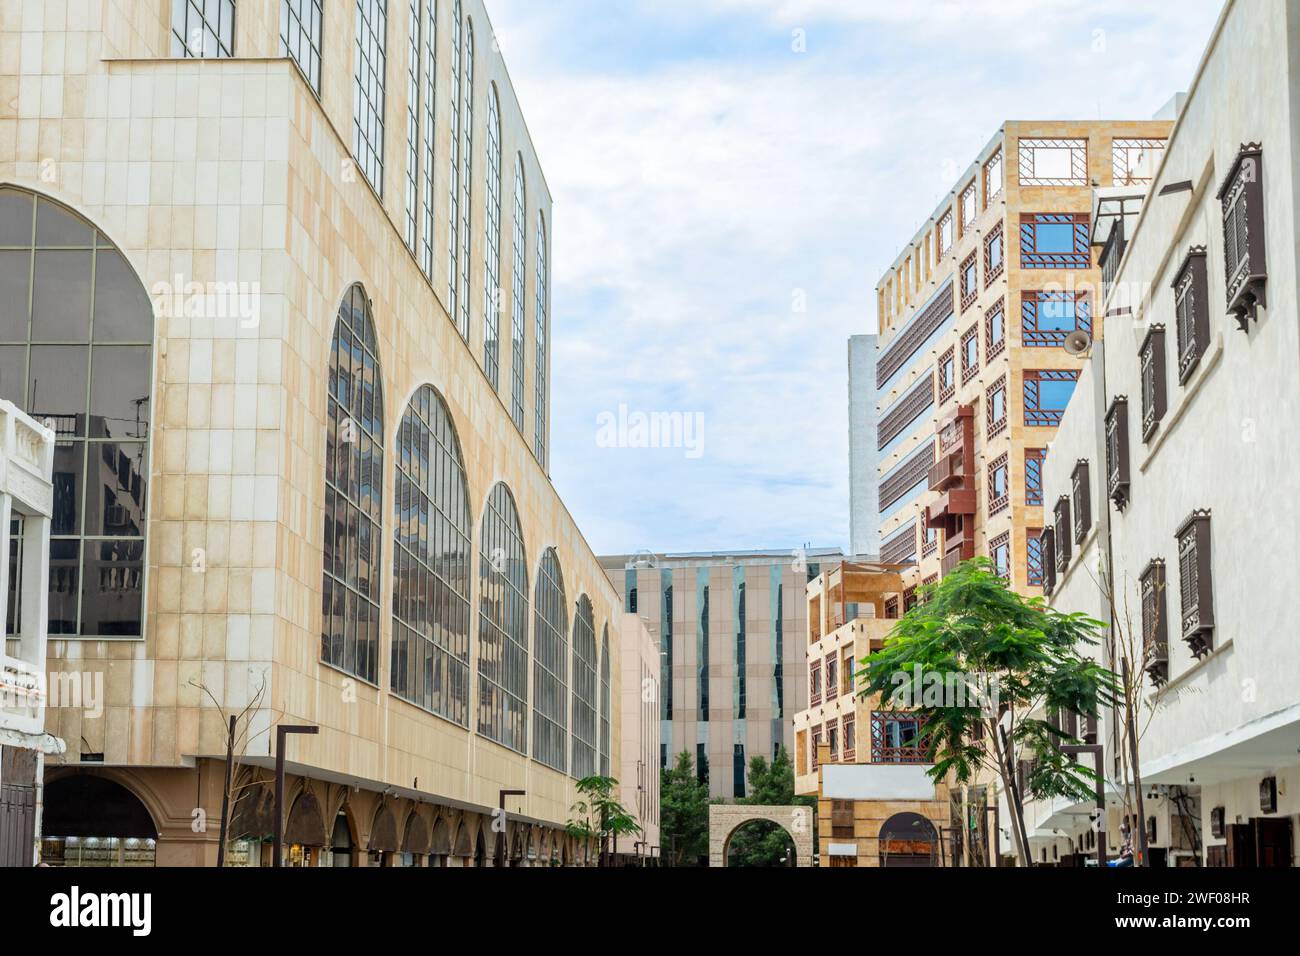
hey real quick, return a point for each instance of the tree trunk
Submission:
(1007, 770)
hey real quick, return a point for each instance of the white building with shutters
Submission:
(1189, 437)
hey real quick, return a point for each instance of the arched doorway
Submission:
(341, 841)
(759, 844)
(908, 840)
(94, 821)
(788, 831)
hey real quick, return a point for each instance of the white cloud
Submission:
(697, 195)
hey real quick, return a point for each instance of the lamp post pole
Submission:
(281, 732)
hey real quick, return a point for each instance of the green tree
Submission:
(971, 628)
(598, 816)
(683, 814)
(762, 843)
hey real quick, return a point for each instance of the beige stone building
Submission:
(279, 282)
(972, 369)
(730, 625)
(875, 804)
(638, 774)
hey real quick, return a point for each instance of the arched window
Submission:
(584, 691)
(492, 246)
(550, 665)
(604, 702)
(431, 563)
(503, 624)
(354, 482)
(518, 266)
(539, 373)
(76, 352)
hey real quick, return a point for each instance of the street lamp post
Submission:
(281, 732)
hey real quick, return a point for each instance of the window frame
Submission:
(1081, 498)
(1196, 582)
(992, 270)
(1245, 261)
(1027, 149)
(1151, 365)
(997, 425)
(1192, 311)
(970, 367)
(1154, 621)
(999, 502)
(1031, 307)
(969, 290)
(1035, 416)
(1117, 453)
(1080, 257)
(995, 347)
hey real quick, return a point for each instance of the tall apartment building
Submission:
(972, 369)
(731, 627)
(277, 276)
(1176, 477)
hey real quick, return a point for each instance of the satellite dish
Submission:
(1078, 342)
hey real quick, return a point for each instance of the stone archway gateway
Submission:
(726, 819)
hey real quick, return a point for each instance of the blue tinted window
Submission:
(1055, 395)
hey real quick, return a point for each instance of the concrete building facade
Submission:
(732, 671)
(290, 271)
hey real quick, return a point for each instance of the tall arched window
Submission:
(431, 563)
(492, 247)
(354, 483)
(503, 625)
(584, 691)
(453, 209)
(604, 702)
(550, 665)
(76, 352)
(518, 265)
(539, 373)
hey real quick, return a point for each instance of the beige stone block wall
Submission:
(233, 170)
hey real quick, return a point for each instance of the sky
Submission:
(730, 179)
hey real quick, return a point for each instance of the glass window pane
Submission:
(57, 227)
(61, 296)
(15, 218)
(1055, 395)
(123, 312)
(68, 472)
(119, 392)
(56, 387)
(111, 592)
(65, 575)
(1054, 237)
(13, 374)
(115, 493)
(15, 280)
